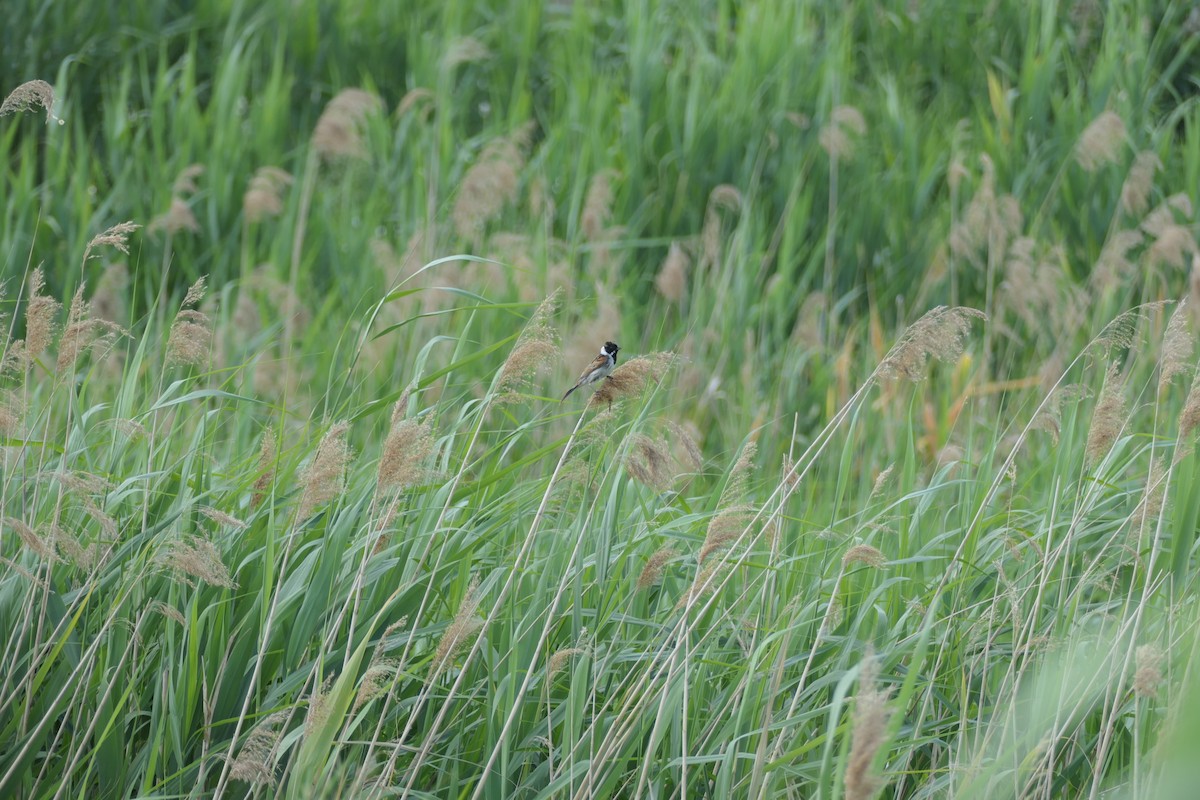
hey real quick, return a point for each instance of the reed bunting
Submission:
(599, 369)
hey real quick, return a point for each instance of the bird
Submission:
(599, 369)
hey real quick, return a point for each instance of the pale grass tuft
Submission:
(649, 463)
(408, 444)
(536, 348)
(725, 529)
(652, 572)
(1154, 496)
(325, 475)
(688, 453)
(1114, 266)
(29, 95)
(170, 612)
(631, 378)
(117, 237)
(411, 98)
(1164, 214)
(379, 676)
(559, 659)
(1189, 418)
(191, 334)
(254, 763)
(264, 195)
(863, 554)
(1101, 142)
(185, 181)
(672, 278)
(868, 733)
(199, 558)
(110, 298)
(11, 413)
(1177, 347)
(1148, 661)
(938, 334)
(221, 518)
(41, 316)
(85, 557)
(1108, 418)
(338, 133)
(464, 50)
(722, 197)
(1135, 192)
(84, 332)
(881, 479)
(40, 546)
(266, 468)
(704, 583)
(458, 635)
(1172, 246)
(739, 477)
(491, 183)
(835, 136)
(597, 205)
(988, 223)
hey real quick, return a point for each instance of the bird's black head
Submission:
(610, 349)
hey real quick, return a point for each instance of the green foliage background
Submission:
(772, 192)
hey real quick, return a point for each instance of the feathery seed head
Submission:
(536, 348)
(408, 444)
(864, 554)
(671, 280)
(117, 236)
(264, 195)
(868, 732)
(597, 205)
(938, 334)
(648, 462)
(266, 467)
(41, 314)
(1135, 192)
(338, 133)
(255, 763)
(728, 527)
(652, 572)
(185, 181)
(325, 474)
(28, 95)
(490, 184)
(1108, 418)
(559, 659)
(84, 332)
(458, 635)
(199, 558)
(1148, 661)
(631, 378)
(1177, 347)
(1100, 143)
(191, 333)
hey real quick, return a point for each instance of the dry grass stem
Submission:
(868, 733)
(652, 571)
(939, 335)
(325, 475)
(1108, 418)
(1101, 142)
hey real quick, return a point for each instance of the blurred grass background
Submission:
(316, 527)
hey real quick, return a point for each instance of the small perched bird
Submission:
(600, 367)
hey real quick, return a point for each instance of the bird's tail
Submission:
(568, 394)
